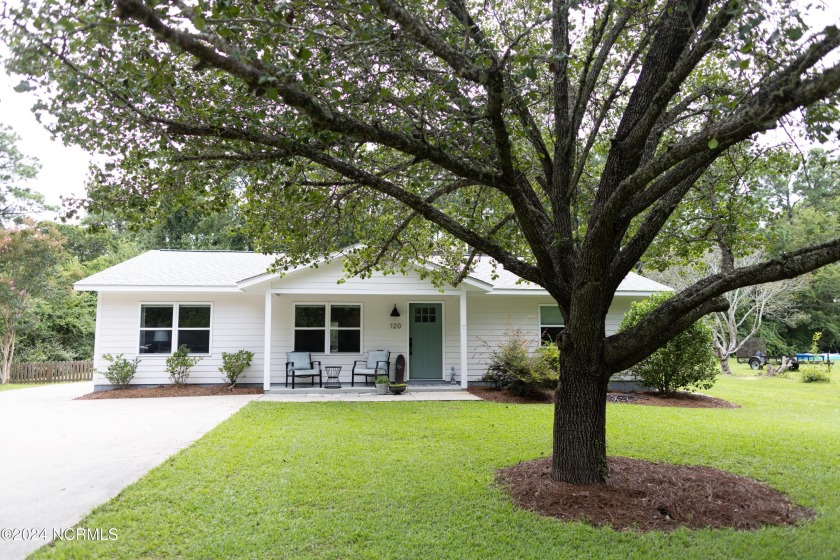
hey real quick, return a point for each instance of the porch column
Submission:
(97, 333)
(267, 342)
(463, 319)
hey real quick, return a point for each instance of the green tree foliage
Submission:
(813, 215)
(557, 138)
(182, 228)
(60, 322)
(728, 210)
(16, 200)
(685, 362)
(28, 257)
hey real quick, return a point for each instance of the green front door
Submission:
(425, 341)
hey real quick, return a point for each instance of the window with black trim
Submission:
(156, 328)
(194, 328)
(334, 328)
(164, 327)
(551, 323)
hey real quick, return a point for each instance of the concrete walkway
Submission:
(369, 396)
(60, 457)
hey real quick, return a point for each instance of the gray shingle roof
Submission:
(224, 269)
(211, 269)
(506, 280)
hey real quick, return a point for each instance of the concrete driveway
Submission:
(59, 458)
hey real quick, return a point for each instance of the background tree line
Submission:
(41, 317)
(790, 200)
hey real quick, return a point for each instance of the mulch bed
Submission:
(171, 391)
(648, 496)
(499, 395)
(686, 400)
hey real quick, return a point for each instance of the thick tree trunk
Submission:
(580, 451)
(724, 365)
(6, 353)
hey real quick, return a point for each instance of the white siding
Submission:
(236, 324)
(327, 278)
(376, 330)
(488, 317)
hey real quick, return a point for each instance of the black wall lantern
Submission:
(395, 312)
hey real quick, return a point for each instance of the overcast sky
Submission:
(64, 169)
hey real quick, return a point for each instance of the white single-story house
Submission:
(224, 301)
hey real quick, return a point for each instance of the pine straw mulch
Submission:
(502, 396)
(647, 496)
(680, 399)
(171, 391)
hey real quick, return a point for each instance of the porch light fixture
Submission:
(395, 312)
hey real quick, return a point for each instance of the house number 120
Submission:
(396, 325)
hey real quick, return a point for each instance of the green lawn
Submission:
(415, 480)
(12, 386)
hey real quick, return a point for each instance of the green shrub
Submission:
(815, 372)
(179, 364)
(511, 365)
(686, 362)
(234, 364)
(121, 371)
(546, 360)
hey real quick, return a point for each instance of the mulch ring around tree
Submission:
(502, 396)
(171, 391)
(679, 399)
(646, 496)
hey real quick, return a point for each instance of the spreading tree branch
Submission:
(624, 349)
(322, 116)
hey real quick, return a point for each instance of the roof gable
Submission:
(235, 270)
(180, 269)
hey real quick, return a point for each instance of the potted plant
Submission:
(381, 382)
(397, 388)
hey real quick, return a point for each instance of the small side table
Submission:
(332, 377)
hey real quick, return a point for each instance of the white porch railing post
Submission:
(463, 319)
(267, 342)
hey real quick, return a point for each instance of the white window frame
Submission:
(541, 326)
(176, 306)
(327, 328)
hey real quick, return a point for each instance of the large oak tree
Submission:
(557, 138)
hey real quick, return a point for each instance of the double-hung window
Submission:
(551, 323)
(165, 327)
(328, 328)
(156, 328)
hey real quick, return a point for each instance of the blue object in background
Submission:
(807, 357)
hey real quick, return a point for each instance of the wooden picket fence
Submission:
(52, 372)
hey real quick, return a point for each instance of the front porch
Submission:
(415, 393)
(340, 326)
(346, 389)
